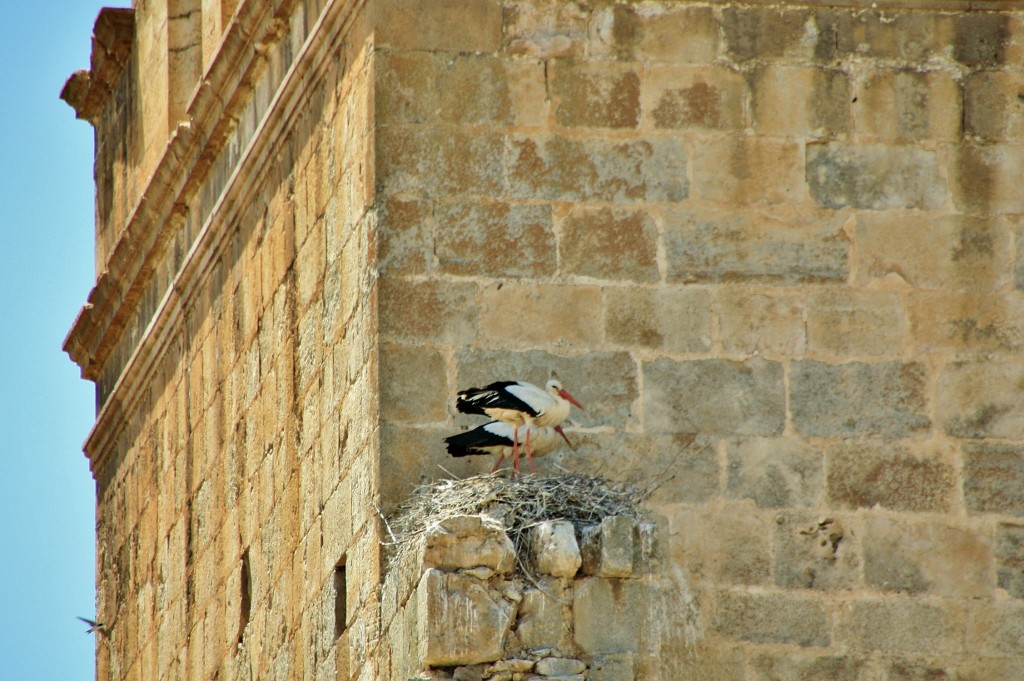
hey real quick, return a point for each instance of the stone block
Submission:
(816, 552)
(541, 622)
(485, 90)
(992, 105)
(468, 541)
(865, 473)
(994, 478)
(679, 97)
(607, 549)
(875, 177)
(554, 548)
(714, 396)
(775, 472)
(495, 239)
(799, 101)
(908, 105)
(439, 25)
(778, 247)
(927, 558)
(777, 617)
(985, 179)
(756, 33)
(1009, 556)
(966, 323)
(559, 666)
(612, 667)
(559, 168)
(674, 34)
(752, 323)
(609, 614)
(932, 252)
(545, 30)
(855, 398)
(460, 621)
(609, 243)
(847, 323)
(439, 160)
(996, 629)
(901, 625)
(405, 241)
(904, 36)
(595, 94)
(412, 384)
(982, 40)
(769, 666)
(441, 312)
(671, 319)
(748, 170)
(528, 315)
(723, 545)
(604, 382)
(981, 400)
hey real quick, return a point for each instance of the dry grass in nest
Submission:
(519, 503)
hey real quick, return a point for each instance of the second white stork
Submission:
(519, 403)
(498, 437)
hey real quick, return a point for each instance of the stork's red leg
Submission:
(498, 465)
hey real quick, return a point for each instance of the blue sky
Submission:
(47, 555)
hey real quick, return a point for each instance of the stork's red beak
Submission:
(565, 393)
(564, 436)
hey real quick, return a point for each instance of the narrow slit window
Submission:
(340, 608)
(245, 605)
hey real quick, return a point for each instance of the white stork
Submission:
(519, 403)
(498, 437)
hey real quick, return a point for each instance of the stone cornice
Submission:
(321, 45)
(88, 91)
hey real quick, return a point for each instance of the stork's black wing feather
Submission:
(493, 396)
(473, 441)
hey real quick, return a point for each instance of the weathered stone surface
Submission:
(855, 323)
(554, 548)
(728, 545)
(468, 541)
(405, 239)
(427, 310)
(672, 319)
(800, 101)
(816, 552)
(759, 170)
(607, 549)
(911, 36)
(906, 625)
(541, 622)
(691, 97)
(985, 179)
(967, 323)
(678, 34)
(858, 399)
(609, 614)
(769, 323)
(596, 94)
(932, 252)
(982, 40)
(775, 472)
(864, 473)
(763, 247)
(772, 618)
(1009, 555)
(545, 30)
(461, 623)
(568, 169)
(766, 33)
(771, 666)
(874, 177)
(714, 396)
(996, 628)
(412, 370)
(927, 558)
(429, 25)
(908, 105)
(981, 399)
(494, 239)
(609, 243)
(559, 666)
(612, 667)
(992, 105)
(528, 315)
(446, 161)
(603, 382)
(994, 478)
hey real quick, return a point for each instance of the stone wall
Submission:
(774, 248)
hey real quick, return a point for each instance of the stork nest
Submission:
(519, 503)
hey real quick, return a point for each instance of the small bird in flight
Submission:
(94, 626)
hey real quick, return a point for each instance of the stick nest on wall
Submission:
(519, 503)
